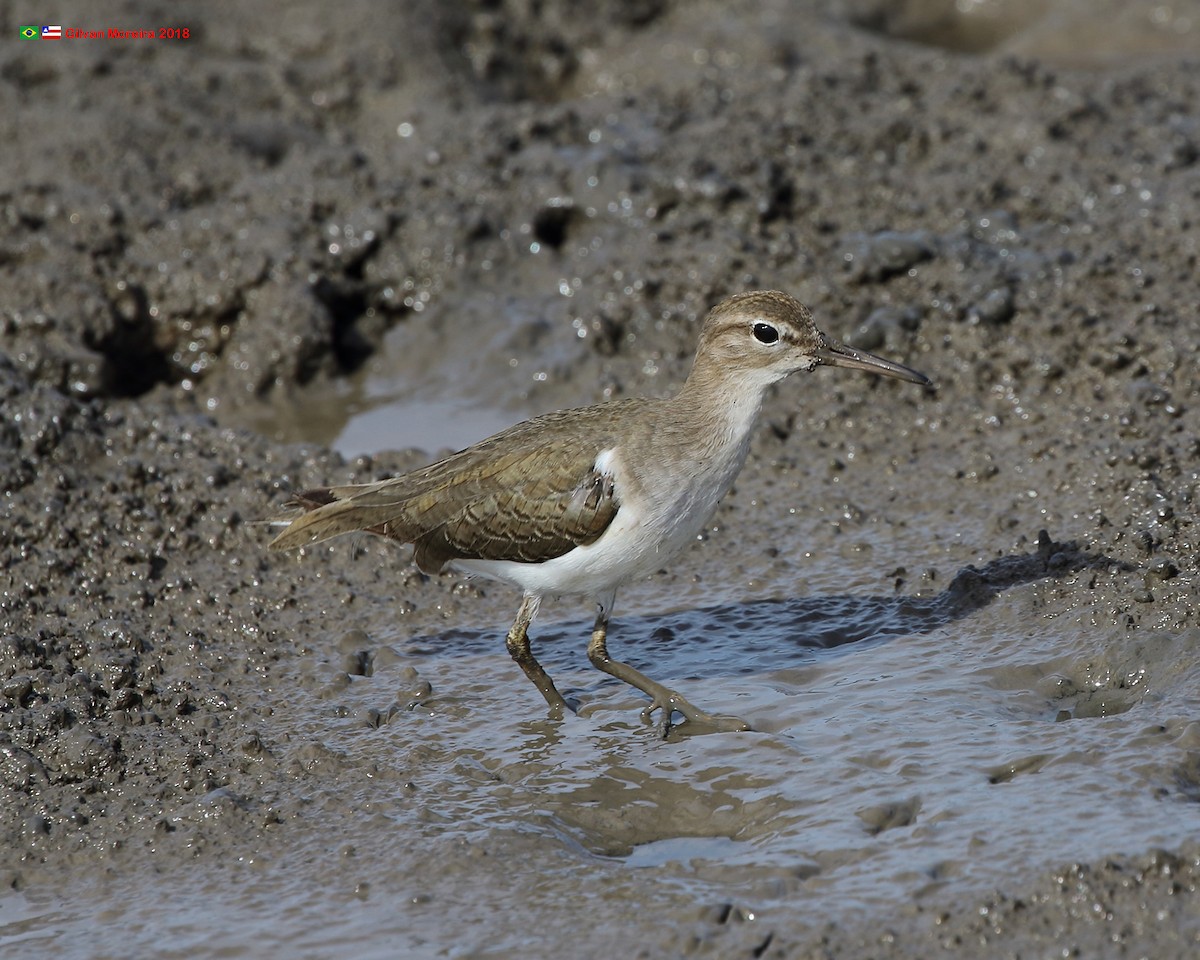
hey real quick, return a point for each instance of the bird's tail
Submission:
(324, 512)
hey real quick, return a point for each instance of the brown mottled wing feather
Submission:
(528, 494)
(524, 513)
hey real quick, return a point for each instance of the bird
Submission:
(580, 502)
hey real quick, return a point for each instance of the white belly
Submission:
(656, 520)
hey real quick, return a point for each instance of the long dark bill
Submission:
(836, 354)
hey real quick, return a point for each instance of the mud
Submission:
(963, 624)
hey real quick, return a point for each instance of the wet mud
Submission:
(302, 246)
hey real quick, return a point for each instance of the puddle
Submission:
(430, 424)
(441, 380)
(883, 769)
(682, 850)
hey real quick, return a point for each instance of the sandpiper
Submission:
(582, 501)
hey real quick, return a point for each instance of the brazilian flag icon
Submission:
(30, 33)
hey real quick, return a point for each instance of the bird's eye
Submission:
(765, 333)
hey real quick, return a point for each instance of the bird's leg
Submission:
(517, 643)
(663, 698)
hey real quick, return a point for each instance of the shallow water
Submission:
(882, 769)
(951, 745)
(443, 379)
(425, 424)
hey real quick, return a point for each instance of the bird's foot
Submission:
(668, 703)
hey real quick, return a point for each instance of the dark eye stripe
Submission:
(764, 332)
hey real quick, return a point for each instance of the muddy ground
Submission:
(205, 240)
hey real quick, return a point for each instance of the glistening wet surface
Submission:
(902, 746)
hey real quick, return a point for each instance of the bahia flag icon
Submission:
(30, 33)
(51, 33)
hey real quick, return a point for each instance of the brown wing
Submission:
(523, 513)
(525, 495)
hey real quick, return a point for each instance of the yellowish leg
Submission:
(663, 698)
(517, 643)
